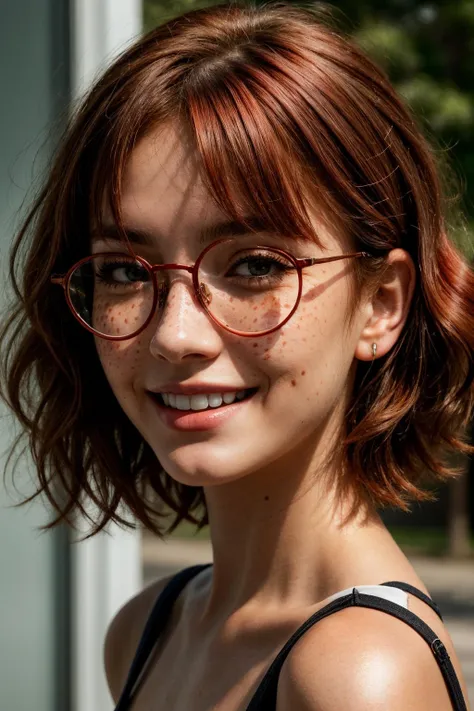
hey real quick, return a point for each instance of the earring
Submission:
(374, 350)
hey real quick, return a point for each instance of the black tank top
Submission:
(265, 696)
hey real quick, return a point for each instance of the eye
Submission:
(254, 266)
(122, 272)
(260, 265)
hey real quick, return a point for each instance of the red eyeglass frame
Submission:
(299, 262)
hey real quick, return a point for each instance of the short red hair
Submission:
(279, 107)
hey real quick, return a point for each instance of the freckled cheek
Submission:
(120, 359)
(296, 352)
(288, 350)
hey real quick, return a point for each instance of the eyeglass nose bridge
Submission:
(201, 292)
(169, 267)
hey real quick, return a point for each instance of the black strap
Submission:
(154, 627)
(264, 698)
(417, 593)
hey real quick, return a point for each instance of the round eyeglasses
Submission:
(247, 290)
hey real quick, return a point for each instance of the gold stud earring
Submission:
(374, 350)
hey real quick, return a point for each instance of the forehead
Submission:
(163, 193)
(162, 182)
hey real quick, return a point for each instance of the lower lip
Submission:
(198, 421)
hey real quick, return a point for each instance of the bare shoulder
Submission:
(363, 660)
(124, 632)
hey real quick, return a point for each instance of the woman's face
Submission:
(298, 377)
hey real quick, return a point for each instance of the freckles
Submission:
(107, 351)
(258, 343)
(118, 357)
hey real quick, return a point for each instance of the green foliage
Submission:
(423, 541)
(427, 49)
(155, 12)
(389, 46)
(463, 236)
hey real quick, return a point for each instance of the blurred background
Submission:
(57, 595)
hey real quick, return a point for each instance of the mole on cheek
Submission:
(293, 382)
(303, 372)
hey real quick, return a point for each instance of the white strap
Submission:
(400, 597)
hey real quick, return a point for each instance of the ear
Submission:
(388, 308)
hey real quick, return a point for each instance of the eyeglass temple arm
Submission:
(58, 279)
(302, 262)
(310, 261)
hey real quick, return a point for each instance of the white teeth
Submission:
(215, 400)
(201, 401)
(183, 402)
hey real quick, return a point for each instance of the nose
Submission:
(182, 329)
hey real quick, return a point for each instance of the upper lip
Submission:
(197, 388)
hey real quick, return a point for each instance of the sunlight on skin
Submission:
(303, 374)
(302, 367)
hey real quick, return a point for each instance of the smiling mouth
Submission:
(202, 402)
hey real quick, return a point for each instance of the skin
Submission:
(280, 541)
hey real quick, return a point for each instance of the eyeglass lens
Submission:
(246, 289)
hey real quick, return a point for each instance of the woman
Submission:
(267, 328)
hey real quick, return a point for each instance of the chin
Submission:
(204, 465)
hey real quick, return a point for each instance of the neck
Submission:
(282, 537)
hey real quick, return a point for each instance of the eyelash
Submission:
(106, 269)
(271, 259)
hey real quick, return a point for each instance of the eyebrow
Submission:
(218, 230)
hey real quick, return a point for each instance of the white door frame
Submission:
(106, 569)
